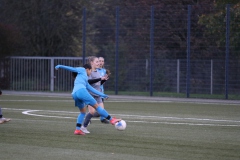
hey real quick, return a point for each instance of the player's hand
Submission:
(57, 67)
(105, 96)
(108, 72)
(105, 77)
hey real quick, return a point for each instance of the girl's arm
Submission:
(91, 81)
(69, 68)
(91, 89)
(103, 81)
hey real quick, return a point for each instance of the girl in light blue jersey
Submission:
(97, 78)
(82, 97)
(101, 70)
(2, 119)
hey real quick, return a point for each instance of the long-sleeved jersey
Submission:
(95, 75)
(81, 81)
(102, 72)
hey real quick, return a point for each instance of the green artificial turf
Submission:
(155, 130)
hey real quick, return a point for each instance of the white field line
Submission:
(36, 100)
(112, 101)
(39, 115)
(123, 101)
(190, 124)
(208, 121)
(167, 123)
(176, 118)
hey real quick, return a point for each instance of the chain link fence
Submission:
(164, 50)
(207, 76)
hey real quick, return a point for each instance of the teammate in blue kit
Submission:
(95, 80)
(81, 95)
(101, 70)
(2, 119)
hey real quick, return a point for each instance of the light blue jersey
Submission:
(81, 81)
(82, 97)
(102, 72)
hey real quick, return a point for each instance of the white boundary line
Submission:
(28, 112)
(36, 100)
(131, 98)
(124, 101)
(112, 101)
(233, 123)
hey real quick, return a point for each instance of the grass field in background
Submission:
(178, 95)
(42, 128)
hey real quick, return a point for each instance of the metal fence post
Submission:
(52, 74)
(188, 49)
(151, 50)
(227, 50)
(117, 51)
(211, 77)
(178, 75)
(84, 35)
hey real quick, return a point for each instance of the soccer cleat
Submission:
(84, 129)
(105, 121)
(2, 120)
(79, 132)
(114, 120)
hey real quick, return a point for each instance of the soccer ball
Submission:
(121, 125)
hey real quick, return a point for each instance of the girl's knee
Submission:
(91, 110)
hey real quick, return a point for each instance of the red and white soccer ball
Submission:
(121, 125)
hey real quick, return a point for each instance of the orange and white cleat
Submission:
(79, 132)
(114, 120)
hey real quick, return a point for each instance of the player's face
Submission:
(101, 62)
(95, 63)
(88, 71)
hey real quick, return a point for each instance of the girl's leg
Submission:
(0, 112)
(105, 114)
(89, 115)
(80, 118)
(102, 119)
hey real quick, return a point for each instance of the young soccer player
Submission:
(97, 98)
(94, 76)
(2, 119)
(81, 95)
(101, 70)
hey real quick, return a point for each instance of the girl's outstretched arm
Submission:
(72, 69)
